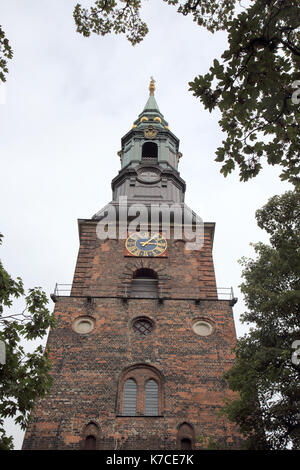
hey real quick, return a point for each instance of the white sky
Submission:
(69, 100)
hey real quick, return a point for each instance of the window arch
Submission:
(148, 398)
(145, 273)
(185, 437)
(151, 398)
(149, 151)
(90, 437)
(144, 283)
(129, 398)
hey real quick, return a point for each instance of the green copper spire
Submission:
(151, 111)
(151, 104)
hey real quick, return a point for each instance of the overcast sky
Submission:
(68, 102)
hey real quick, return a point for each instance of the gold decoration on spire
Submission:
(150, 132)
(152, 86)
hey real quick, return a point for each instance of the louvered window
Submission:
(144, 284)
(129, 398)
(151, 399)
(144, 288)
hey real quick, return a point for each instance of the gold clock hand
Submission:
(147, 242)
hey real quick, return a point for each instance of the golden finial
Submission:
(152, 86)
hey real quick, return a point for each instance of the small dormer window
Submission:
(149, 151)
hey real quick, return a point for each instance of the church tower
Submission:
(144, 335)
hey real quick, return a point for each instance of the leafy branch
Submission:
(5, 53)
(25, 375)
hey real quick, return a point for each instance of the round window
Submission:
(83, 325)
(202, 328)
(143, 326)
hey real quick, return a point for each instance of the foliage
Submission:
(123, 16)
(5, 53)
(264, 374)
(112, 16)
(24, 376)
(253, 84)
(210, 443)
(253, 88)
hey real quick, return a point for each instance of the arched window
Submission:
(140, 391)
(185, 436)
(129, 398)
(149, 151)
(90, 437)
(90, 443)
(151, 398)
(144, 284)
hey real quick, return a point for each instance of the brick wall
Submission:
(89, 369)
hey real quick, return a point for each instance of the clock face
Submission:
(148, 176)
(146, 244)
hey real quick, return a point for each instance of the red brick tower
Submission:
(143, 335)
